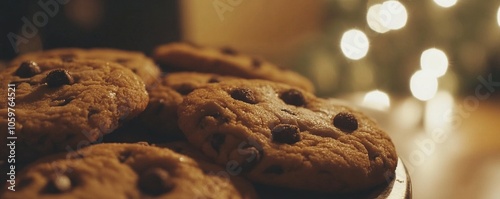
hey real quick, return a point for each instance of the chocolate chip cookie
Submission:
(280, 135)
(225, 61)
(141, 65)
(122, 171)
(160, 115)
(208, 167)
(62, 106)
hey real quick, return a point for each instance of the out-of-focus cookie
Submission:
(160, 116)
(122, 171)
(60, 106)
(280, 135)
(210, 168)
(225, 61)
(136, 61)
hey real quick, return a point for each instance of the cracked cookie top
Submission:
(141, 65)
(277, 134)
(61, 104)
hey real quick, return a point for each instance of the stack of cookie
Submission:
(105, 123)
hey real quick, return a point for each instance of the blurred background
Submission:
(427, 70)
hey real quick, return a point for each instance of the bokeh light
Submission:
(396, 13)
(390, 15)
(373, 18)
(423, 85)
(436, 110)
(377, 99)
(434, 61)
(498, 16)
(354, 44)
(445, 3)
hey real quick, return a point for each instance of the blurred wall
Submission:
(27, 25)
(273, 29)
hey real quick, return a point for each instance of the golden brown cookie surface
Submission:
(160, 115)
(61, 105)
(283, 136)
(122, 171)
(141, 65)
(186, 57)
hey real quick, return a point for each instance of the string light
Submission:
(445, 3)
(434, 61)
(354, 44)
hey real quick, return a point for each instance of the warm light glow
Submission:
(437, 109)
(445, 3)
(377, 99)
(373, 18)
(434, 61)
(396, 12)
(498, 16)
(354, 44)
(407, 114)
(423, 85)
(390, 15)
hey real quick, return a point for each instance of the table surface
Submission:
(465, 163)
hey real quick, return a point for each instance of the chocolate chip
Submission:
(256, 63)
(345, 122)
(285, 133)
(59, 77)
(58, 184)
(92, 111)
(213, 79)
(217, 141)
(274, 169)
(184, 89)
(228, 51)
(28, 69)
(67, 101)
(155, 182)
(244, 94)
(293, 97)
